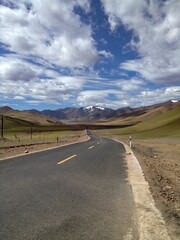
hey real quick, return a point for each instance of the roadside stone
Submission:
(167, 188)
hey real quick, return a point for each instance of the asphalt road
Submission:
(77, 192)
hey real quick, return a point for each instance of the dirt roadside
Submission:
(160, 162)
(8, 149)
(147, 217)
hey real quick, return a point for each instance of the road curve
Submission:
(74, 192)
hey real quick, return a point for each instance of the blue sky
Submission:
(72, 53)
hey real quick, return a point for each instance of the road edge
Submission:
(150, 223)
(46, 149)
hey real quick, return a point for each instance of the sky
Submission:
(75, 53)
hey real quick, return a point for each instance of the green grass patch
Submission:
(18, 130)
(164, 125)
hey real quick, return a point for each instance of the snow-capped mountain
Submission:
(85, 113)
(95, 112)
(89, 112)
(174, 101)
(88, 108)
(99, 112)
(93, 108)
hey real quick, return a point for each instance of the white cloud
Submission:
(130, 85)
(20, 79)
(105, 54)
(149, 97)
(110, 98)
(19, 98)
(156, 28)
(50, 32)
(15, 70)
(125, 11)
(92, 97)
(61, 88)
(122, 98)
(39, 85)
(155, 71)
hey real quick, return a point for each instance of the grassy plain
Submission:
(21, 131)
(160, 126)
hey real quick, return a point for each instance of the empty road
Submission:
(76, 192)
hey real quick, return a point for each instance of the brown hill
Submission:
(95, 115)
(26, 116)
(144, 113)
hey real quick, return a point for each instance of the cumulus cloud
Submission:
(21, 80)
(24, 81)
(49, 53)
(47, 90)
(156, 29)
(109, 98)
(92, 97)
(105, 54)
(130, 85)
(19, 98)
(50, 32)
(15, 70)
(43, 88)
(158, 95)
(123, 98)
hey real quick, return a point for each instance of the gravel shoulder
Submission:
(160, 162)
(148, 218)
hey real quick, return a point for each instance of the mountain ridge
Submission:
(93, 113)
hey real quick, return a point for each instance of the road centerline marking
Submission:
(67, 159)
(90, 147)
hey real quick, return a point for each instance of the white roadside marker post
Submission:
(130, 143)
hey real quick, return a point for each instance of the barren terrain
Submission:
(160, 162)
(10, 149)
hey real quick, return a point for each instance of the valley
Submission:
(155, 133)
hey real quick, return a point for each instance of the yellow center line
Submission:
(90, 147)
(67, 159)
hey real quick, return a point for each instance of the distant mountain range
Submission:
(97, 113)
(89, 113)
(85, 113)
(159, 120)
